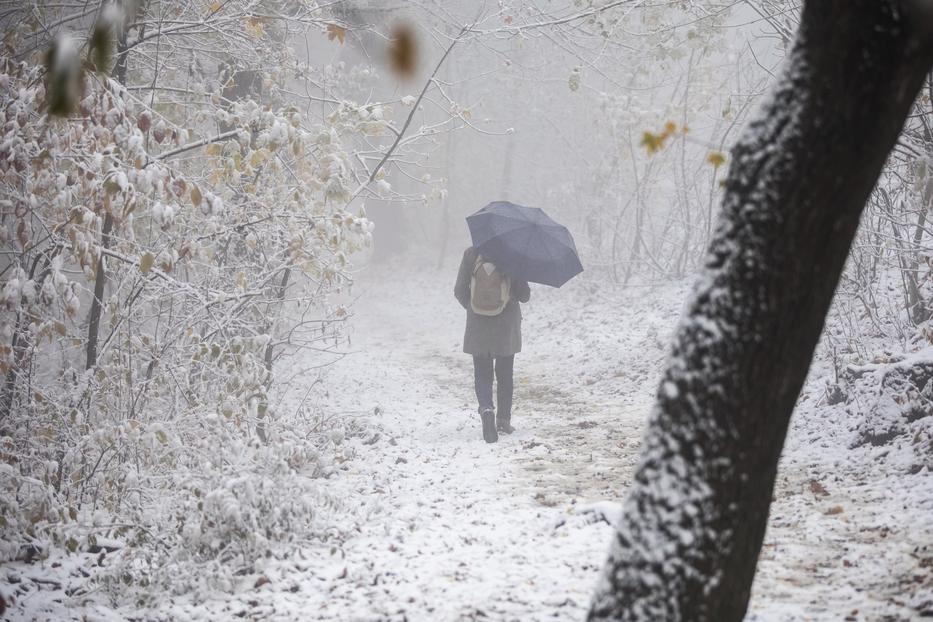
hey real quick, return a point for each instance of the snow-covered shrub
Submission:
(900, 406)
(224, 505)
(158, 264)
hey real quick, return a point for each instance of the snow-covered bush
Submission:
(224, 504)
(899, 397)
(159, 260)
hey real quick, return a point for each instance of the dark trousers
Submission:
(482, 380)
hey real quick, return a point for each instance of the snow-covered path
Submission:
(460, 530)
(423, 521)
(468, 530)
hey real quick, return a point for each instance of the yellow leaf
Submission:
(336, 32)
(195, 195)
(652, 142)
(669, 128)
(716, 158)
(253, 26)
(145, 262)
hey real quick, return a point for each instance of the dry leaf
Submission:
(652, 142)
(716, 158)
(254, 27)
(336, 32)
(101, 46)
(144, 121)
(145, 262)
(817, 488)
(402, 51)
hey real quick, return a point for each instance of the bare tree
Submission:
(695, 518)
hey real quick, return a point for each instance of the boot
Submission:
(488, 415)
(504, 425)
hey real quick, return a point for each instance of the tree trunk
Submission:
(695, 517)
(100, 282)
(919, 311)
(906, 255)
(448, 170)
(100, 276)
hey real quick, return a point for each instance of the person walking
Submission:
(493, 335)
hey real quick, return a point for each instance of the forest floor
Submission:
(449, 528)
(515, 530)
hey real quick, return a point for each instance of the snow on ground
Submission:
(850, 532)
(438, 525)
(470, 530)
(505, 531)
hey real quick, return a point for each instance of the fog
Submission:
(451, 310)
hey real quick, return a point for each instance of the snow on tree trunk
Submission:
(695, 518)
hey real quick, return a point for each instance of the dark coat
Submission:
(496, 335)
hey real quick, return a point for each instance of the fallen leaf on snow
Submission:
(817, 488)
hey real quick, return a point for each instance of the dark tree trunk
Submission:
(100, 281)
(695, 517)
(100, 276)
(270, 350)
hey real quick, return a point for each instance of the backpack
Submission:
(489, 288)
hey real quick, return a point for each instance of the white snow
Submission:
(431, 523)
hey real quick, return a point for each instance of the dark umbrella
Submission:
(525, 243)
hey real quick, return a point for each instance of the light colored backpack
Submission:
(489, 288)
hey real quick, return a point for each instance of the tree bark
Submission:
(695, 517)
(100, 276)
(920, 312)
(100, 282)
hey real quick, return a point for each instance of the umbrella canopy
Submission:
(525, 243)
